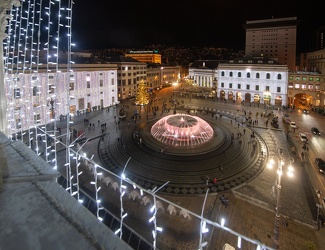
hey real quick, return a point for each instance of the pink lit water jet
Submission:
(182, 130)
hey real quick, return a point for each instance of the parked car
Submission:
(303, 137)
(293, 125)
(320, 164)
(315, 131)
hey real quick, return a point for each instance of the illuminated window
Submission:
(35, 91)
(71, 86)
(51, 89)
(16, 93)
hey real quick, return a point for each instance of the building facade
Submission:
(129, 73)
(153, 78)
(306, 89)
(40, 98)
(313, 61)
(273, 38)
(256, 81)
(145, 56)
(169, 74)
(204, 73)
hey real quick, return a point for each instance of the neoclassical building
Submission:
(253, 80)
(40, 98)
(204, 73)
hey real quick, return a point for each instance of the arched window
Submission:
(239, 74)
(279, 76)
(230, 74)
(257, 75)
(222, 73)
(268, 76)
(248, 75)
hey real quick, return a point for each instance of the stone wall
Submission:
(3, 166)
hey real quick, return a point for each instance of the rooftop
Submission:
(37, 213)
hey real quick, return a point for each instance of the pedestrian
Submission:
(98, 123)
(207, 180)
(215, 181)
(118, 139)
(226, 202)
(244, 131)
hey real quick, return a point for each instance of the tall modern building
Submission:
(145, 56)
(274, 38)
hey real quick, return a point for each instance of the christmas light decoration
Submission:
(142, 96)
(35, 94)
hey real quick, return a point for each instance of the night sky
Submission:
(218, 23)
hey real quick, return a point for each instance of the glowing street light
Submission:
(280, 164)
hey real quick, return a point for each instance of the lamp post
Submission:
(280, 164)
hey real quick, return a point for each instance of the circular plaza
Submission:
(184, 151)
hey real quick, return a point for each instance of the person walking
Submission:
(207, 180)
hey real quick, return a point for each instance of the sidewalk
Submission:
(248, 219)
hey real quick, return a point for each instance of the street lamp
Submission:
(280, 164)
(204, 229)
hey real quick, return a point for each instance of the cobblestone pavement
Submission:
(251, 205)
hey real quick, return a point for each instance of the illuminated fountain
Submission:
(182, 130)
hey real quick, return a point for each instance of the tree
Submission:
(142, 97)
